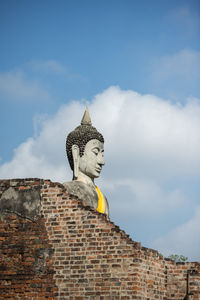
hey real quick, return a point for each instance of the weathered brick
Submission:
(73, 252)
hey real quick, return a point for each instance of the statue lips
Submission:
(98, 170)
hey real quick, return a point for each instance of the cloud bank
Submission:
(152, 151)
(176, 75)
(16, 85)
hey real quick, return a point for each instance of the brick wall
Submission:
(59, 248)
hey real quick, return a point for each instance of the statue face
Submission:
(92, 160)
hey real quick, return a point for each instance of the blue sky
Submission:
(136, 64)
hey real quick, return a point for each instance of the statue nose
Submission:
(101, 160)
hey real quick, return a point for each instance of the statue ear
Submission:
(75, 155)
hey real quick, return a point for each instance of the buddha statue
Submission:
(85, 152)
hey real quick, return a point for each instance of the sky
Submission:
(136, 64)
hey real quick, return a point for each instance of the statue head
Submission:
(85, 149)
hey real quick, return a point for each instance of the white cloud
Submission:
(15, 85)
(143, 134)
(184, 64)
(27, 164)
(149, 143)
(177, 75)
(44, 156)
(147, 134)
(53, 67)
(187, 19)
(147, 198)
(185, 239)
(27, 82)
(47, 66)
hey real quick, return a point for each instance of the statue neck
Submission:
(85, 179)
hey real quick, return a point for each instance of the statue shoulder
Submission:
(83, 191)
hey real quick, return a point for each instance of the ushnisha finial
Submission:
(86, 120)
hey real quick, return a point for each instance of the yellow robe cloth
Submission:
(101, 201)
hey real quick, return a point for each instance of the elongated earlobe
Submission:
(75, 155)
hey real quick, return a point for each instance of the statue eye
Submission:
(95, 151)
